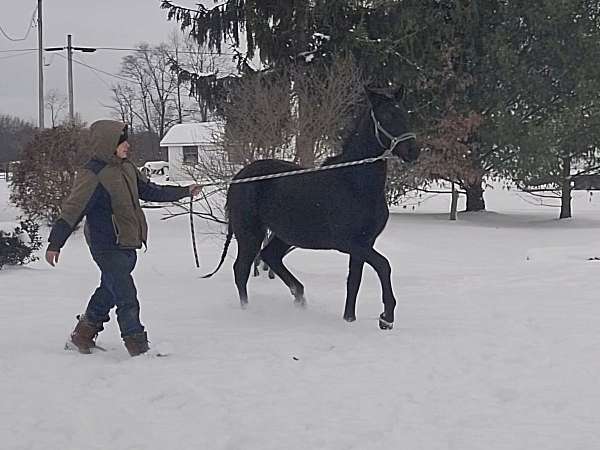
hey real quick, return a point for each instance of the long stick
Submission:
(193, 232)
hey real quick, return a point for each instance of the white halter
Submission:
(394, 140)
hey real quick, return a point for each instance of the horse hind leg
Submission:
(255, 265)
(248, 248)
(355, 270)
(273, 255)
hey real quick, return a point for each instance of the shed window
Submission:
(190, 155)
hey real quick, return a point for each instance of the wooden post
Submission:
(454, 204)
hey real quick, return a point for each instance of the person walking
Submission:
(107, 192)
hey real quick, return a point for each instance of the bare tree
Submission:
(260, 121)
(155, 86)
(15, 133)
(257, 117)
(191, 58)
(444, 166)
(335, 93)
(261, 113)
(175, 41)
(124, 103)
(56, 103)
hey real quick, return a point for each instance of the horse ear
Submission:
(374, 97)
(400, 93)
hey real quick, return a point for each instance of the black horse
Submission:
(340, 209)
(259, 263)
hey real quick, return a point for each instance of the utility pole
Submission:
(70, 78)
(40, 67)
(69, 48)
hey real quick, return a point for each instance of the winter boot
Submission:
(136, 344)
(84, 335)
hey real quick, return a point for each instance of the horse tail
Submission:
(224, 254)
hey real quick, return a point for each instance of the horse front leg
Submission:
(384, 271)
(355, 271)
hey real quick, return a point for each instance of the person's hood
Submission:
(104, 135)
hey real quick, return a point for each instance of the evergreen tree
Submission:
(558, 114)
(480, 72)
(308, 35)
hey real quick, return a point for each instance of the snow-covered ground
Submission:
(496, 344)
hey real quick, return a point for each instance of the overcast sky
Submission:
(105, 23)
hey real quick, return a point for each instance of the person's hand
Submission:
(195, 189)
(52, 257)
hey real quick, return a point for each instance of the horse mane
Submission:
(348, 133)
(333, 159)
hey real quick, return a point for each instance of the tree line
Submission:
(497, 88)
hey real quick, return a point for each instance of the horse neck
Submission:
(368, 179)
(362, 143)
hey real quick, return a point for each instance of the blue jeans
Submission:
(116, 289)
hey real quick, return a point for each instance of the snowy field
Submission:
(496, 343)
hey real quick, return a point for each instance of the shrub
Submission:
(44, 176)
(19, 245)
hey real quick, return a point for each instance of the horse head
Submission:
(390, 120)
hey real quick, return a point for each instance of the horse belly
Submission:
(310, 221)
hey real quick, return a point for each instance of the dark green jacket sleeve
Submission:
(74, 208)
(151, 192)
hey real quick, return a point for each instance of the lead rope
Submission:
(387, 154)
(394, 141)
(193, 232)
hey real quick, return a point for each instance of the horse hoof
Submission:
(300, 302)
(349, 318)
(384, 324)
(244, 305)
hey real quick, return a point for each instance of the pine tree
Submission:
(558, 114)
(308, 35)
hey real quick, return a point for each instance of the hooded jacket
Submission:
(107, 191)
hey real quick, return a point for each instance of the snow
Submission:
(495, 344)
(8, 213)
(191, 134)
(8, 227)
(322, 36)
(156, 165)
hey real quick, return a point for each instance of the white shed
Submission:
(187, 144)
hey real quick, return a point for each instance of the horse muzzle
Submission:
(407, 150)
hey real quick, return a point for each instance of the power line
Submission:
(28, 52)
(18, 50)
(29, 27)
(125, 49)
(129, 80)
(102, 80)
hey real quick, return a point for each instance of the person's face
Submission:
(123, 150)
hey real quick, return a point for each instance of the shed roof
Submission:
(191, 134)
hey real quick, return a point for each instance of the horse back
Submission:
(266, 167)
(315, 210)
